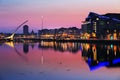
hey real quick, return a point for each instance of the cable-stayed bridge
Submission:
(11, 37)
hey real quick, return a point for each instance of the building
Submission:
(46, 33)
(102, 26)
(33, 34)
(26, 30)
(60, 34)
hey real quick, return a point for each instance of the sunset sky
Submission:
(56, 13)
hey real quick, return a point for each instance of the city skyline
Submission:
(57, 13)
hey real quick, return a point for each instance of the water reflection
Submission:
(21, 55)
(11, 44)
(32, 45)
(60, 46)
(25, 48)
(1, 44)
(99, 55)
(95, 55)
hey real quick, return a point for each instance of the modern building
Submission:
(26, 30)
(102, 26)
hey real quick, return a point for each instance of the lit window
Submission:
(107, 31)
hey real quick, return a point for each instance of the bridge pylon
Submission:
(11, 37)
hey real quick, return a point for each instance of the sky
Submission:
(56, 13)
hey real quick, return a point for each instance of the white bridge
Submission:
(11, 37)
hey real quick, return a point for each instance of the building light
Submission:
(93, 35)
(114, 30)
(111, 37)
(115, 36)
(94, 26)
(97, 19)
(107, 22)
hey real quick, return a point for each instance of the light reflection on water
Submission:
(59, 61)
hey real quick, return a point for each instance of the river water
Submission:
(59, 61)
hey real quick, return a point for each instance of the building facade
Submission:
(71, 33)
(102, 26)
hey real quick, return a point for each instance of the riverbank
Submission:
(49, 40)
